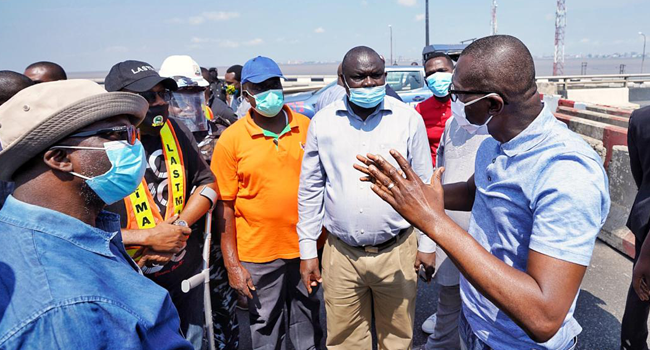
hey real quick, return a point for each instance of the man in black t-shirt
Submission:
(162, 219)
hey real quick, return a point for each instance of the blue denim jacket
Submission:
(68, 285)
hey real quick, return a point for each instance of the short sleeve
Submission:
(570, 204)
(224, 167)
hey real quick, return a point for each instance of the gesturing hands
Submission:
(417, 202)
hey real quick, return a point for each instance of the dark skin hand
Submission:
(537, 299)
(641, 274)
(238, 277)
(435, 65)
(274, 124)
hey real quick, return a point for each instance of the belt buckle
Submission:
(371, 249)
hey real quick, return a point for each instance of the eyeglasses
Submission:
(150, 96)
(127, 133)
(453, 93)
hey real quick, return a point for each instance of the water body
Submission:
(544, 67)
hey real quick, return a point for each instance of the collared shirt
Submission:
(544, 190)
(435, 115)
(331, 194)
(260, 171)
(68, 285)
(457, 153)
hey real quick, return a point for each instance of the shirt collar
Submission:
(255, 130)
(535, 133)
(345, 108)
(93, 239)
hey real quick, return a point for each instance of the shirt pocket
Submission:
(384, 148)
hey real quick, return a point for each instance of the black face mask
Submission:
(156, 116)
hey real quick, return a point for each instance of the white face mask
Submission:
(458, 111)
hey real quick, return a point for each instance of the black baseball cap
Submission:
(136, 76)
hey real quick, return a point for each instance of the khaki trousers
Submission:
(356, 282)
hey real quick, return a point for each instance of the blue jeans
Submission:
(469, 340)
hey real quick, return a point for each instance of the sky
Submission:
(94, 35)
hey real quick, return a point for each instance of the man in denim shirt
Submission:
(66, 281)
(539, 196)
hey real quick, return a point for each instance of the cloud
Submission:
(319, 30)
(584, 40)
(419, 17)
(550, 17)
(213, 16)
(409, 3)
(364, 2)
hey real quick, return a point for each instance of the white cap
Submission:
(182, 65)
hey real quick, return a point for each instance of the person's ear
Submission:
(58, 159)
(496, 105)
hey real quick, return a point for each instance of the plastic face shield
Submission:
(187, 106)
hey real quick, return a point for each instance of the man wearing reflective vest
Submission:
(162, 219)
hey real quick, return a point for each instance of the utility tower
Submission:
(560, 26)
(494, 17)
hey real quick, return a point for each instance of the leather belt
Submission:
(381, 246)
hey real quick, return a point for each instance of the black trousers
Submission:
(634, 328)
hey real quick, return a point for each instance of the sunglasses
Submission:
(150, 96)
(128, 133)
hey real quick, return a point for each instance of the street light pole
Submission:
(426, 16)
(643, 55)
(391, 44)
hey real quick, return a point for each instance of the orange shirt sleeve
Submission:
(224, 167)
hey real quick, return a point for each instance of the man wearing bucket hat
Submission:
(66, 281)
(160, 219)
(257, 165)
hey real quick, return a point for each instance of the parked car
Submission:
(407, 81)
(305, 102)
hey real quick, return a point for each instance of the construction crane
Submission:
(494, 17)
(560, 26)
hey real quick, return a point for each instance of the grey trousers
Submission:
(445, 334)
(281, 304)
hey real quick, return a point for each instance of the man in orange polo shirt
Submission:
(437, 109)
(257, 163)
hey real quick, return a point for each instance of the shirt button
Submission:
(362, 231)
(364, 123)
(489, 178)
(360, 210)
(361, 187)
(363, 144)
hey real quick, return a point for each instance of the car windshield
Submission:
(405, 80)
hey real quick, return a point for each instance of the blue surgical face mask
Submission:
(269, 103)
(366, 97)
(438, 83)
(128, 164)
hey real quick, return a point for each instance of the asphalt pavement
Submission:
(599, 310)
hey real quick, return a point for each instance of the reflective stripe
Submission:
(142, 212)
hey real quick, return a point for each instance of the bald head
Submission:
(498, 63)
(361, 57)
(11, 83)
(41, 72)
